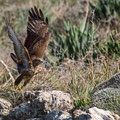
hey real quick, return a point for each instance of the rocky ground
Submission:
(57, 105)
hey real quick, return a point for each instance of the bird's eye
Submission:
(36, 62)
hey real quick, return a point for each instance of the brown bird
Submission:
(30, 54)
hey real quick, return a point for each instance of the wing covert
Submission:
(37, 33)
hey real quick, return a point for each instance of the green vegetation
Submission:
(111, 49)
(106, 9)
(75, 42)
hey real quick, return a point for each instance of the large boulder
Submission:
(113, 82)
(51, 99)
(96, 114)
(108, 98)
(44, 103)
(100, 114)
(107, 94)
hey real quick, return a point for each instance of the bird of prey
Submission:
(29, 55)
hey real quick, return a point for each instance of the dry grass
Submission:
(79, 79)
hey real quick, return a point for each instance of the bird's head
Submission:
(37, 62)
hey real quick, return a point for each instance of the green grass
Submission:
(74, 41)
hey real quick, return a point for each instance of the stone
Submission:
(100, 114)
(5, 106)
(43, 103)
(95, 113)
(54, 115)
(81, 115)
(55, 100)
(108, 99)
(113, 82)
(61, 115)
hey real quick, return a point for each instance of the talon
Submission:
(21, 90)
(16, 90)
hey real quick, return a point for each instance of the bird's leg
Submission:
(37, 76)
(25, 83)
(21, 90)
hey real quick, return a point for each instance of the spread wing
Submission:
(21, 52)
(37, 34)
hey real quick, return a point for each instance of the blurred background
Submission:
(84, 47)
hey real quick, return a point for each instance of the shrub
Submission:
(106, 8)
(75, 41)
(111, 48)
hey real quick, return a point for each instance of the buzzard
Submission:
(29, 55)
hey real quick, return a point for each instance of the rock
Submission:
(107, 94)
(35, 119)
(25, 111)
(113, 82)
(30, 95)
(55, 100)
(54, 115)
(61, 115)
(52, 99)
(5, 106)
(108, 98)
(55, 105)
(40, 106)
(99, 114)
(96, 114)
(80, 115)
